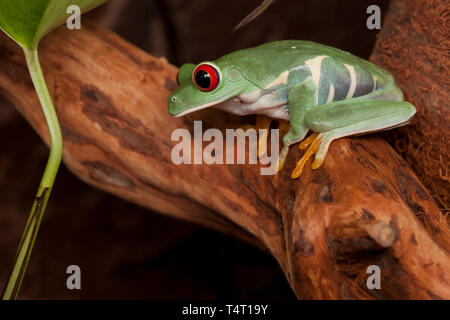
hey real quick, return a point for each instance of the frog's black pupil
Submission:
(203, 79)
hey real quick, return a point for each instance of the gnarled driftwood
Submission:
(363, 207)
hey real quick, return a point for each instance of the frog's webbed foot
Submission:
(307, 142)
(315, 146)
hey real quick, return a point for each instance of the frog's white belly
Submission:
(253, 103)
(281, 113)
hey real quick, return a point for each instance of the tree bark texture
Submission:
(363, 207)
(413, 45)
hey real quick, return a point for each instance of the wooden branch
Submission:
(363, 207)
(413, 44)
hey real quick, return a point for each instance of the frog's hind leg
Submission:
(349, 117)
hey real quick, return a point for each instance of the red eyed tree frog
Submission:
(315, 87)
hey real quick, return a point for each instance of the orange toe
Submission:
(262, 144)
(313, 147)
(305, 143)
(317, 163)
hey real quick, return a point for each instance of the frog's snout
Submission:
(175, 105)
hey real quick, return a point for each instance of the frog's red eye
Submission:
(206, 77)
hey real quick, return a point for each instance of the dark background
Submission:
(125, 251)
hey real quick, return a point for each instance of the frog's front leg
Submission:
(262, 127)
(349, 117)
(301, 98)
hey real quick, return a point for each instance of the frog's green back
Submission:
(263, 64)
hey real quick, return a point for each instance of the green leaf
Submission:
(27, 21)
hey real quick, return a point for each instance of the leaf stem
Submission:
(48, 178)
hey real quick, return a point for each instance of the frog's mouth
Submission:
(203, 106)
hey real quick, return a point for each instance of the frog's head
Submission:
(204, 85)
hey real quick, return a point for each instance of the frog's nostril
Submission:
(174, 99)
